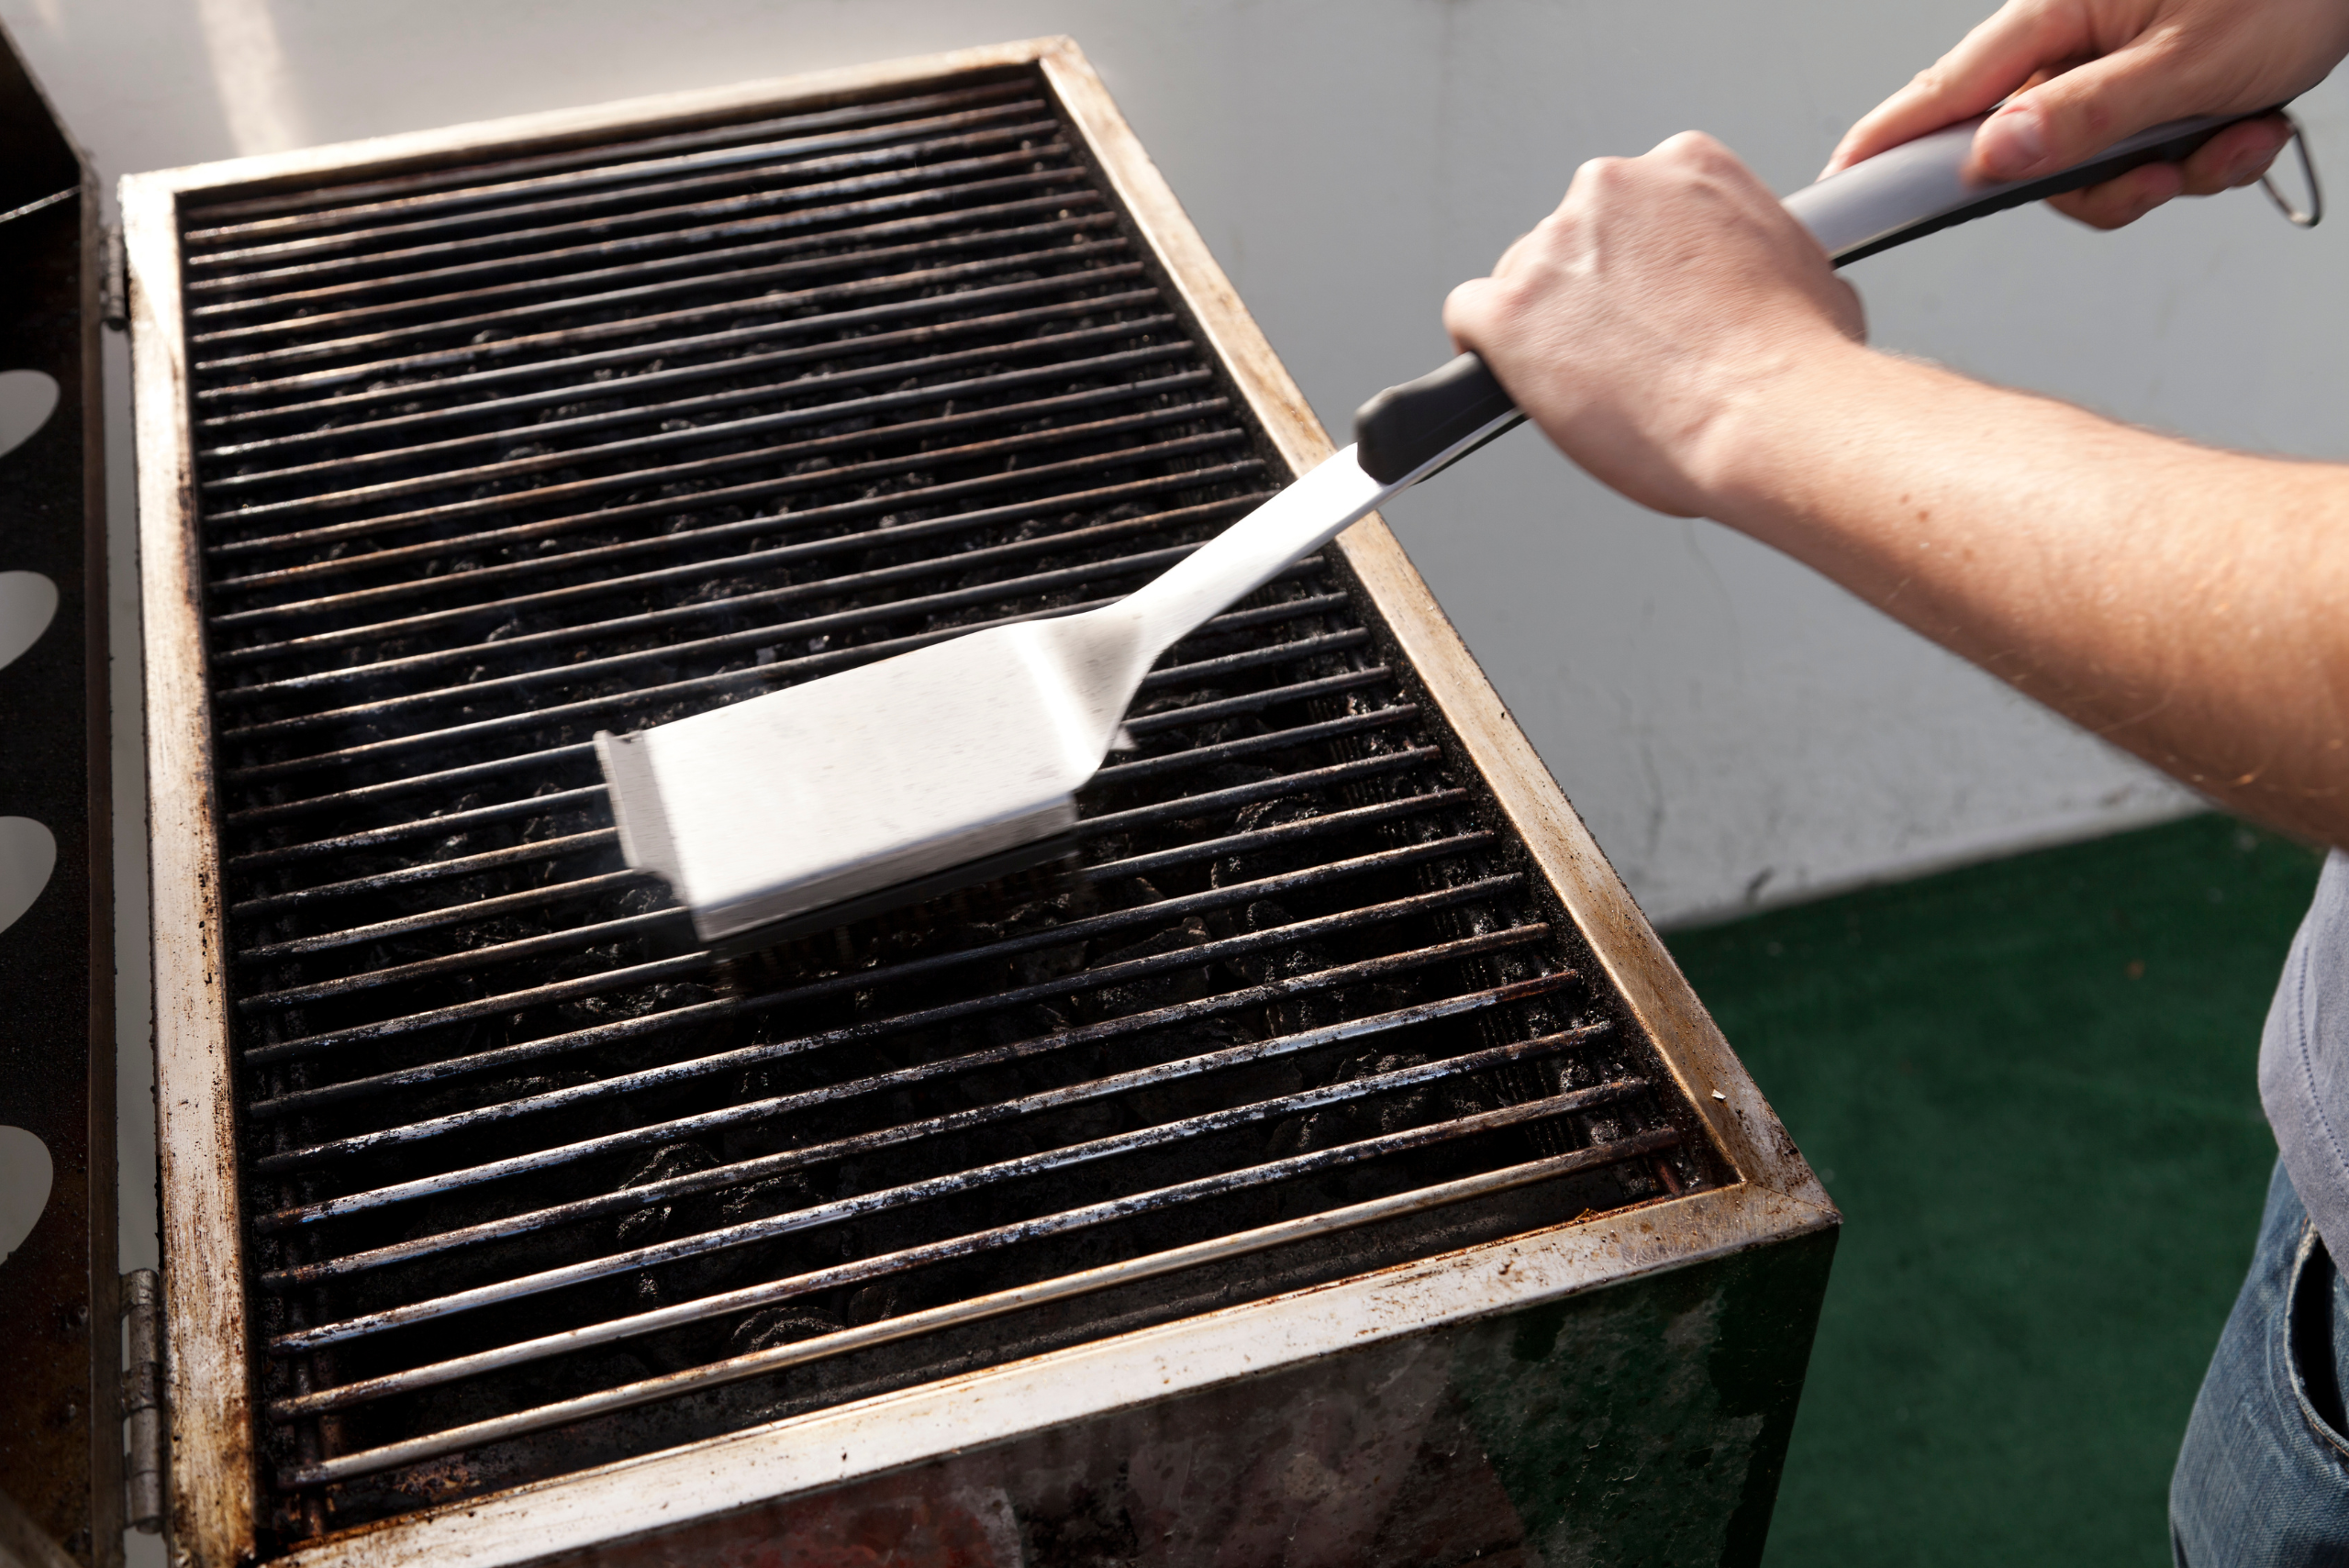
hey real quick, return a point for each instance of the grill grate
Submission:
(493, 457)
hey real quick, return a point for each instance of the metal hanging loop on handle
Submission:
(2299, 217)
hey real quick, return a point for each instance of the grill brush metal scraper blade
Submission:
(961, 762)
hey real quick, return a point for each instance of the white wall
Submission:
(1731, 727)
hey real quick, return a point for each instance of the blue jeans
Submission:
(2263, 1477)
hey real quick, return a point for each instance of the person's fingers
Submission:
(1466, 312)
(2071, 118)
(2123, 199)
(1993, 61)
(2237, 155)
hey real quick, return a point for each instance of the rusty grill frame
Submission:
(1770, 1194)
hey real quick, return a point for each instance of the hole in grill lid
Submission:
(494, 457)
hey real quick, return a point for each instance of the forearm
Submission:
(2191, 606)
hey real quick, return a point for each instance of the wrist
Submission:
(1761, 447)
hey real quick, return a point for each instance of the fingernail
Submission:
(2012, 143)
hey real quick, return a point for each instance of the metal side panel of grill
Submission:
(1333, 1103)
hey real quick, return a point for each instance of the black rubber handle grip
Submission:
(1405, 426)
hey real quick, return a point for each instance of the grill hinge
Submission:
(142, 1402)
(114, 280)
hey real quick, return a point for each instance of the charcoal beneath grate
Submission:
(1157, 990)
(772, 1326)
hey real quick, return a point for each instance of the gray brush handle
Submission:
(1910, 191)
(1920, 187)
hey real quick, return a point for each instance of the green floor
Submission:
(2029, 1086)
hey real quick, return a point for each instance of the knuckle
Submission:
(1596, 184)
(1694, 150)
(1700, 146)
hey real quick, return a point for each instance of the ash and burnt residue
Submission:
(494, 458)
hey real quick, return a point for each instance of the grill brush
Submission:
(958, 763)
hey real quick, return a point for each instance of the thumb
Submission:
(2070, 119)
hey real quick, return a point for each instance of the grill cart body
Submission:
(1329, 1166)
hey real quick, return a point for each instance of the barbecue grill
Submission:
(1325, 1164)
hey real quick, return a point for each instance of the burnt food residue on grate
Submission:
(492, 457)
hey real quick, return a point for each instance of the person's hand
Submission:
(2085, 73)
(1665, 294)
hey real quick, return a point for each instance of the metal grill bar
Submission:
(764, 638)
(1236, 750)
(766, 1109)
(647, 383)
(1133, 865)
(1263, 838)
(647, 344)
(553, 757)
(1187, 1129)
(388, 339)
(649, 413)
(580, 370)
(745, 1171)
(625, 626)
(588, 191)
(456, 915)
(601, 839)
(1192, 805)
(294, 211)
(450, 1370)
(704, 536)
(811, 664)
(705, 267)
(451, 822)
(1173, 908)
(642, 254)
(508, 1057)
(609, 930)
(498, 1429)
(913, 1258)
(608, 706)
(888, 190)
(1137, 969)
(667, 440)
(476, 958)
(750, 286)
(436, 871)
(757, 490)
